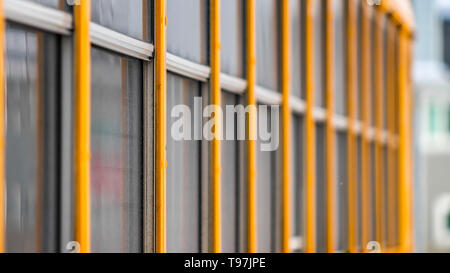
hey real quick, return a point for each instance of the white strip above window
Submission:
(233, 84)
(38, 16)
(112, 40)
(187, 68)
(266, 96)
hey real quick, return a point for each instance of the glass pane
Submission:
(297, 9)
(30, 135)
(232, 23)
(267, 191)
(183, 171)
(359, 199)
(267, 48)
(131, 17)
(231, 181)
(358, 56)
(116, 153)
(321, 188)
(319, 52)
(342, 190)
(187, 29)
(373, 204)
(298, 194)
(340, 55)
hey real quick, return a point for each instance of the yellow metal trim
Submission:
(2, 133)
(352, 117)
(82, 125)
(216, 101)
(404, 121)
(391, 129)
(330, 137)
(160, 124)
(286, 115)
(366, 118)
(251, 143)
(379, 123)
(310, 229)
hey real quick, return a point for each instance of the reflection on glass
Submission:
(232, 37)
(187, 26)
(30, 175)
(130, 17)
(116, 153)
(267, 43)
(183, 173)
(230, 182)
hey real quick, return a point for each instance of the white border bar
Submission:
(233, 84)
(298, 106)
(118, 42)
(38, 16)
(266, 96)
(187, 68)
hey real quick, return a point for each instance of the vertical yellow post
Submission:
(352, 118)
(366, 117)
(404, 121)
(216, 101)
(160, 124)
(310, 230)
(390, 50)
(286, 115)
(330, 137)
(251, 144)
(2, 133)
(82, 125)
(379, 122)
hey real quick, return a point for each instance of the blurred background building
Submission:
(432, 125)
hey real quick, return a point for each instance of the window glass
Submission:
(116, 153)
(267, 46)
(232, 40)
(359, 200)
(342, 190)
(131, 17)
(319, 51)
(359, 62)
(297, 8)
(372, 197)
(267, 195)
(31, 150)
(298, 194)
(231, 180)
(183, 171)
(187, 29)
(321, 188)
(340, 56)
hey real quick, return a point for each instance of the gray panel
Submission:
(183, 173)
(319, 52)
(131, 17)
(386, 195)
(116, 153)
(230, 184)
(187, 29)
(359, 194)
(267, 195)
(342, 191)
(31, 150)
(297, 9)
(232, 37)
(321, 173)
(297, 167)
(372, 197)
(340, 54)
(267, 46)
(372, 71)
